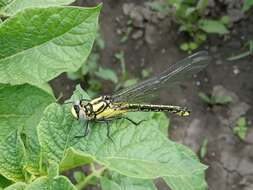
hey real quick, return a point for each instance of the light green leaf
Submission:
(247, 4)
(203, 148)
(79, 176)
(16, 186)
(121, 182)
(192, 182)
(130, 82)
(213, 26)
(222, 100)
(184, 46)
(38, 44)
(107, 184)
(205, 98)
(241, 128)
(21, 108)
(58, 183)
(14, 6)
(225, 20)
(141, 152)
(107, 74)
(13, 157)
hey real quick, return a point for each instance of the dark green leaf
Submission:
(4, 182)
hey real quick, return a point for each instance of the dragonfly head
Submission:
(78, 111)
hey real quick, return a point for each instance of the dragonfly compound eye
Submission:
(75, 111)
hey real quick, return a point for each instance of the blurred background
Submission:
(138, 39)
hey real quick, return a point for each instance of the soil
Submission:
(154, 43)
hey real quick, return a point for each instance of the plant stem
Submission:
(94, 173)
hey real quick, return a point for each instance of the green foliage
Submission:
(213, 26)
(37, 139)
(191, 20)
(241, 128)
(215, 100)
(107, 74)
(10, 7)
(249, 46)
(247, 4)
(142, 152)
(120, 182)
(146, 72)
(203, 148)
(37, 44)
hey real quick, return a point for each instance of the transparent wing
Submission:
(174, 73)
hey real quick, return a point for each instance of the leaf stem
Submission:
(94, 173)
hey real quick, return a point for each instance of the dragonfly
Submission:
(111, 107)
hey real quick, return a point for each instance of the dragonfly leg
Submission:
(108, 127)
(133, 122)
(86, 131)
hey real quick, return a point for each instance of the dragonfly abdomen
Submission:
(181, 111)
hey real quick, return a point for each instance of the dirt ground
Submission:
(153, 43)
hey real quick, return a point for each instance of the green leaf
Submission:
(184, 46)
(79, 176)
(13, 157)
(193, 45)
(146, 72)
(130, 82)
(4, 182)
(53, 170)
(141, 152)
(192, 182)
(205, 98)
(222, 100)
(225, 20)
(107, 74)
(38, 44)
(58, 183)
(247, 4)
(21, 108)
(13, 6)
(213, 26)
(241, 128)
(17, 186)
(107, 184)
(202, 5)
(203, 148)
(4, 2)
(121, 182)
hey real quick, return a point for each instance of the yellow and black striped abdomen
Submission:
(181, 111)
